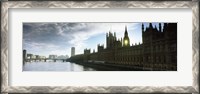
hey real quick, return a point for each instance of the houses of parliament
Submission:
(158, 50)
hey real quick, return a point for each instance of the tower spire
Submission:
(142, 27)
(115, 36)
(126, 41)
(126, 30)
(150, 25)
(160, 27)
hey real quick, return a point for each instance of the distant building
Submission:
(24, 56)
(67, 56)
(158, 50)
(30, 56)
(72, 51)
(86, 51)
(33, 57)
(52, 56)
(62, 57)
(37, 56)
(41, 57)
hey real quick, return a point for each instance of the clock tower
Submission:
(126, 41)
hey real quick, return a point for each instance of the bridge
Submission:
(44, 59)
(35, 58)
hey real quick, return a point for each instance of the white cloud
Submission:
(79, 38)
(62, 36)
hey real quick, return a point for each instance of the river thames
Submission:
(55, 66)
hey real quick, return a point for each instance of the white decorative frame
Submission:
(5, 88)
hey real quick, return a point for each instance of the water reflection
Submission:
(54, 66)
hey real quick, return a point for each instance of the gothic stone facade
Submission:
(158, 50)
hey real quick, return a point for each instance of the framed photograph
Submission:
(100, 47)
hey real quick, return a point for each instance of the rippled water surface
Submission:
(54, 66)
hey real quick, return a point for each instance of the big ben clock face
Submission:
(126, 42)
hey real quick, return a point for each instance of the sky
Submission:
(58, 38)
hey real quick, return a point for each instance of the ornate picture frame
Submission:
(6, 5)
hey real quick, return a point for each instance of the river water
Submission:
(54, 66)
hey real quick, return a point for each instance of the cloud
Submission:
(60, 37)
